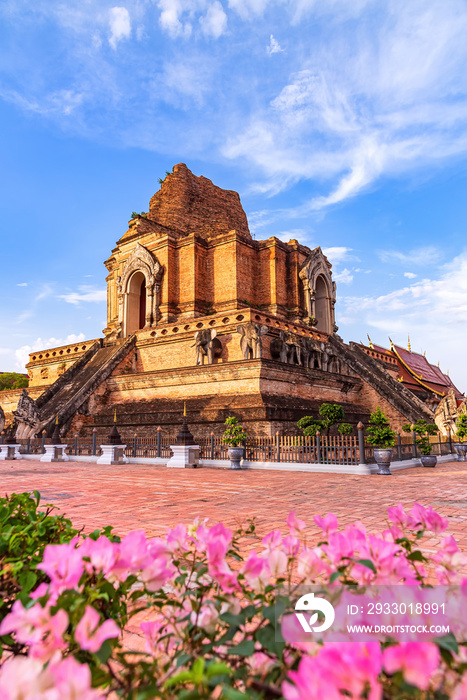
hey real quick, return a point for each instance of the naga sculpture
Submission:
(251, 343)
(26, 416)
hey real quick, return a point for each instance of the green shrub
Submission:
(380, 433)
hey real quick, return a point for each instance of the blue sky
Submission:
(342, 124)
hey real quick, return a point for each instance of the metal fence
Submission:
(320, 449)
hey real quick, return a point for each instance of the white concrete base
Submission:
(10, 452)
(184, 456)
(54, 453)
(112, 454)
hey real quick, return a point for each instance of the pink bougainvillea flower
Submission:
(296, 525)
(37, 628)
(157, 574)
(339, 666)
(277, 562)
(259, 662)
(256, 571)
(417, 661)
(178, 538)
(102, 554)
(310, 564)
(63, 564)
(460, 692)
(207, 618)
(71, 680)
(89, 635)
(272, 541)
(428, 518)
(22, 677)
(398, 516)
(328, 524)
(291, 545)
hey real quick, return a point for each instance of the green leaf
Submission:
(334, 576)
(233, 694)
(416, 556)
(368, 563)
(245, 648)
(267, 638)
(448, 641)
(197, 670)
(218, 669)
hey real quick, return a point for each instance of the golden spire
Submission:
(424, 353)
(184, 409)
(115, 416)
(370, 344)
(438, 363)
(392, 344)
(447, 372)
(56, 420)
(409, 348)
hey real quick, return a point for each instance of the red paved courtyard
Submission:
(154, 497)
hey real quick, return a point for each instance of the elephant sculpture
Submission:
(251, 343)
(204, 344)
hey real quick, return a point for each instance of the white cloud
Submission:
(84, 294)
(214, 23)
(170, 17)
(22, 353)
(343, 276)
(337, 254)
(274, 46)
(410, 275)
(120, 25)
(22, 284)
(387, 98)
(248, 9)
(426, 255)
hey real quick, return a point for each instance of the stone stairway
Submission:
(69, 392)
(376, 376)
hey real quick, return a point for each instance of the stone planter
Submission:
(461, 449)
(428, 460)
(235, 456)
(383, 456)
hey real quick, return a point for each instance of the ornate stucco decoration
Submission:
(319, 291)
(141, 260)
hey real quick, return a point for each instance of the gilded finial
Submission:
(392, 344)
(424, 353)
(438, 364)
(400, 379)
(184, 409)
(370, 344)
(56, 420)
(447, 372)
(115, 416)
(409, 348)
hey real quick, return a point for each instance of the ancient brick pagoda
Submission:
(199, 311)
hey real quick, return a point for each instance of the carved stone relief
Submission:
(319, 291)
(140, 260)
(207, 345)
(251, 343)
(26, 416)
(306, 352)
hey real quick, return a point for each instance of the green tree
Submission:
(380, 433)
(13, 380)
(331, 413)
(461, 425)
(234, 434)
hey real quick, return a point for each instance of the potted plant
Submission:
(382, 438)
(233, 436)
(461, 432)
(423, 430)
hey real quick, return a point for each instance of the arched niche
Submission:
(138, 291)
(135, 312)
(322, 305)
(319, 291)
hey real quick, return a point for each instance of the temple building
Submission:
(199, 311)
